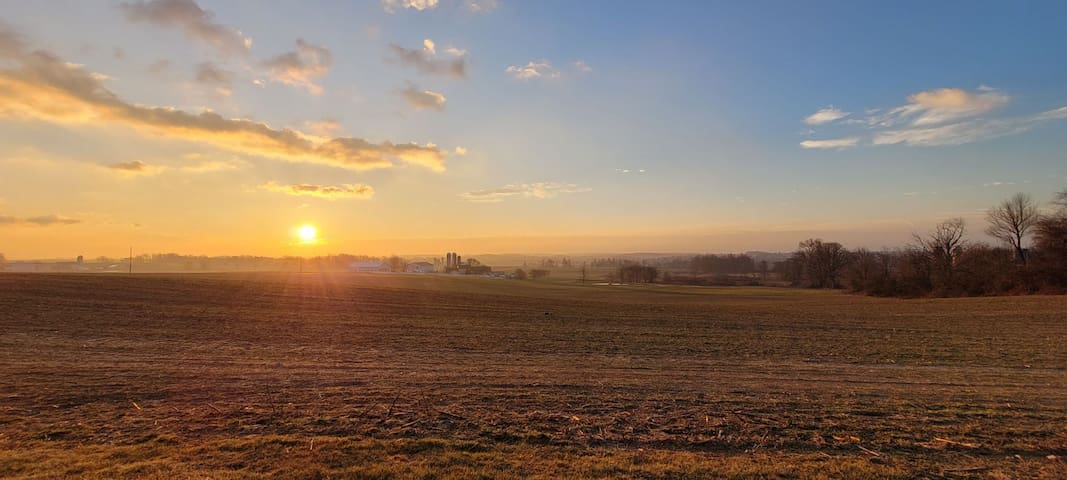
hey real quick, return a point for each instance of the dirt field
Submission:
(395, 376)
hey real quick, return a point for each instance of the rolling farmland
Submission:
(407, 376)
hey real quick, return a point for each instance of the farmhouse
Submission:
(369, 267)
(419, 267)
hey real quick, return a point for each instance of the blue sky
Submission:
(687, 125)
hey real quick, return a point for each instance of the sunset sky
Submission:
(500, 126)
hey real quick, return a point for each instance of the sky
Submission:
(505, 126)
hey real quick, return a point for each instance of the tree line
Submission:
(944, 263)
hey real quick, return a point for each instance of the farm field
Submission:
(404, 376)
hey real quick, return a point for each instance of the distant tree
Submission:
(612, 277)
(1060, 200)
(1050, 244)
(819, 264)
(942, 247)
(870, 272)
(638, 274)
(1011, 221)
(538, 273)
(3, 260)
(396, 263)
(520, 274)
(722, 264)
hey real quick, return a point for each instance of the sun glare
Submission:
(307, 233)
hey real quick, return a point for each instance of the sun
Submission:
(307, 233)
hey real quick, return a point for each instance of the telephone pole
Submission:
(131, 260)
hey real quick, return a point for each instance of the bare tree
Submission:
(942, 247)
(819, 263)
(1061, 200)
(1012, 220)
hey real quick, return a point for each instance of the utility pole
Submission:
(131, 260)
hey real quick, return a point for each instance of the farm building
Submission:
(369, 267)
(419, 267)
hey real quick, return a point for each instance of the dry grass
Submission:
(263, 376)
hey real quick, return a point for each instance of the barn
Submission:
(369, 267)
(419, 267)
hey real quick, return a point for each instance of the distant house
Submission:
(419, 267)
(369, 267)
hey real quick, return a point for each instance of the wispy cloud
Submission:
(135, 167)
(40, 221)
(456, 52)
(328, 192)
(933, 107)
(301, 66)
(391, 6)
(940, 117)
(215, 77)
(194, 21)
(834, 143)
(44, 87)
(324, 127)
(539, 190)
(825, 115)
(420, 99)
(425, 59)
(481, 6)
(582, 66)
(211, 166)
(534, 69)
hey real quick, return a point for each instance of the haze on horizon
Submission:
(501, 126)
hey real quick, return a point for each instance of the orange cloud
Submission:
(328, 192)
(40, 221)
(300, 66)
(44, 87)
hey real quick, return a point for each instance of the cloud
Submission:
(40, 221)
(299, 67)
(324, 127)
(1056, 114)
(825, 115)
(836, 143)
(329, 192)
(951, 134)
(135, 167)
(461, 151)
(481, 6)
(419, 5)
(456, 52)
(582, 66)
(187, 16)
(942, 105)
(43, 87)
(208, 72)
(212, 166)
(419, 99)
(425, 60)
(12, 44)
(535, 69)
(211, 75)
(539, 190)
(938, 117)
